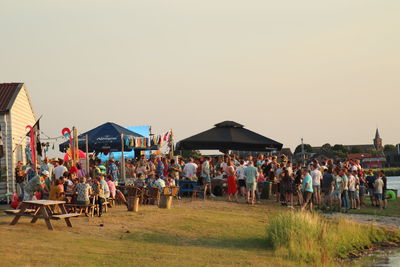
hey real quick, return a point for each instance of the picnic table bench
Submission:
(43, 209)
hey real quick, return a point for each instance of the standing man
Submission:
(190, 170)
(327, 187)
(307, 189)
(384, 189)
(370, 179)
(352, 190)
(345, 192)
(241, 178)
(113, 170)
(59, 169)
(47, 166)
(251, 173)
(316, 183)
(206, 175)
(378, 186)
(159, 167)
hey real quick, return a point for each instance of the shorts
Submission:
(337, 194)
(251, 186)
(371, 191)
(378, 196)
(242, 183)
(317, 189)
(207, 180)
(362, 191)
(307, 197)
(357, 194)
(383, 195)
(352, 195)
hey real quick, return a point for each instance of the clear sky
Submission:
(328, 71)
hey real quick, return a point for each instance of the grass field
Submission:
(393, 209)
(193, 233)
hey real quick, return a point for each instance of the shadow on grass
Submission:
(176, 240)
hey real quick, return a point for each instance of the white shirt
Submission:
(316, 177)
(59, 171)
(278, 173)
(352, 183)
(224, 166)
(240, 172)
(160, 183)
(190, 170)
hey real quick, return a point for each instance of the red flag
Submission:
(32, 142)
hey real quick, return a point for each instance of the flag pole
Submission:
(122, 158)
(87, 155)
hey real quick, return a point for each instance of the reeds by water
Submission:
(311, 238)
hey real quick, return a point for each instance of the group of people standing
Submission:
(343, 184)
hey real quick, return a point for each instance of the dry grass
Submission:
(211, 233)
(193, 233)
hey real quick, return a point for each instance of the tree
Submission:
(189, 154)
(340, 148)
(307, 149)
(389, 148)
(355, 150)
(326, 148)
(373, 152)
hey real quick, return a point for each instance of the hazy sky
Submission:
(328, 71)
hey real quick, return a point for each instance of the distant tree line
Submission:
(342, 151)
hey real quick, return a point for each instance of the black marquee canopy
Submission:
(102, 138)
(229, 135)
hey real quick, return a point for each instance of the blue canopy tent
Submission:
(143, 131)
(106, 137)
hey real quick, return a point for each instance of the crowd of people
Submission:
(342, 184)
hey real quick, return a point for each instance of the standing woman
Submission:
(289, 182)
(232, 186)
(298, 180)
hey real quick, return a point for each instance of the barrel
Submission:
(165, 202)
(266, 190)
(133, 204)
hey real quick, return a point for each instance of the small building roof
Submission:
(8, 94)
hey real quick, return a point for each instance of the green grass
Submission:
(392, 209)
(192, 233)
(388, 171)
(310, 238)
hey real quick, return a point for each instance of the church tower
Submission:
(378, 141)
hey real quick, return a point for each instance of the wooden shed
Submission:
(16, 112)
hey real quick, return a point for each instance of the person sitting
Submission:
(33, 185)
(150, 180)
(139, 180)
(159, 183)
(171, 180)
(44, 189)
(56, 193)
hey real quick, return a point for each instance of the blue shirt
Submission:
(307, 184)
(160, 169)
(251, 174)
(113, 171)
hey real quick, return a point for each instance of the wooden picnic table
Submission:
(44, 209)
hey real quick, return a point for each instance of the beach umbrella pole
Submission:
(87, 154)
(122, 158)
